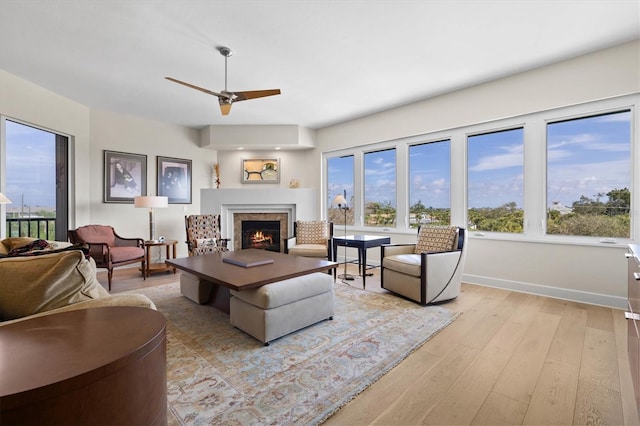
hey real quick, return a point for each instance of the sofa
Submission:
(44, 282)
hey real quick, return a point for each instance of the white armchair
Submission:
(310, 239)
(429, 271)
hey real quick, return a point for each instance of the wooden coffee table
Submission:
(227, 276)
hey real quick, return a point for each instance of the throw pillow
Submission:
(34, 249)
(33, 245)
(34, 284)
(11, 243)
(436, 239)
(311, 232)
(206, 242)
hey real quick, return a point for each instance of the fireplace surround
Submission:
(234, 204)
(282, 219)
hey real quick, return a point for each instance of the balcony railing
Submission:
(35, 227)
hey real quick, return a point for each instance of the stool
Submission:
(280, 308)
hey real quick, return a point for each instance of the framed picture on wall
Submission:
(125, 176)
(174, 179)
(261, 170)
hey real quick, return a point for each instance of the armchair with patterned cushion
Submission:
(203, 237)
(203, 234)
(310, 239)
(109, 249)
(429, 271)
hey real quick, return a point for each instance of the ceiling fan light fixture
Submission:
(225, 106)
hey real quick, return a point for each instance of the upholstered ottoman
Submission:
(283, 307)
(194, 288)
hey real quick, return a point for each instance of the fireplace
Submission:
(274, 226)
(283, 204)
(261, 234)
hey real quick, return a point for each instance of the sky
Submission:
(429, 174)
(585, 157)
(588, 156)
(31, 167)
(495, 164)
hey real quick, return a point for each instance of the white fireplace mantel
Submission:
(299, 204)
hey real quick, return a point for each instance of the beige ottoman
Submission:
(192, 287)
(283, 307)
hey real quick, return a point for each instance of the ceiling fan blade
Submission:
(219, 95)
(243, 96)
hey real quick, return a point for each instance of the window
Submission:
(36, 182)
(430, 183)
(495, 181)
(340, 179)
(589, 176)
(380, 188)
(563, 175)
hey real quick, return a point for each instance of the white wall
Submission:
(23, 101)
(92, 131)
(114, 132)
(593, 274)
(301, 165)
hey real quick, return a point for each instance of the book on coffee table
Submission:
(246, 260)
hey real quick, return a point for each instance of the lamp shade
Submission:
(151, 202)
(339, 201)
(4, 199)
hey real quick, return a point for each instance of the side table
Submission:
(90, 366)
(159, 267)
(362, 243)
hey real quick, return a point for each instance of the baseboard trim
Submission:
(548, 291)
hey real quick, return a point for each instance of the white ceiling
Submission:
(333, 60)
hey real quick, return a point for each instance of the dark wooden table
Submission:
(227, 276)
(90, 366)
(170, 248)
(362, 243)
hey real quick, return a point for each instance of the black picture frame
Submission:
(174, 179)
(125, 176)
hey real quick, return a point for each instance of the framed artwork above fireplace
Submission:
(260, 170)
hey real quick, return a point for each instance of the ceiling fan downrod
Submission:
(226, 52)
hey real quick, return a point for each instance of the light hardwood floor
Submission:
(509, 359)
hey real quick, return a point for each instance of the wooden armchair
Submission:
(310, 239)
(107, 248)
(203, 234)
(429, 271)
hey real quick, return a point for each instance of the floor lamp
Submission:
(341, 202)
(151, 202)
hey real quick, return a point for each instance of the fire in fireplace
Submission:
(261, 234)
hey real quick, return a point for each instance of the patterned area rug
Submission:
(219, 375)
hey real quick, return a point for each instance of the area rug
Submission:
(217, 374)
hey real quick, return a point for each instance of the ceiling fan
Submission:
(226, 97)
